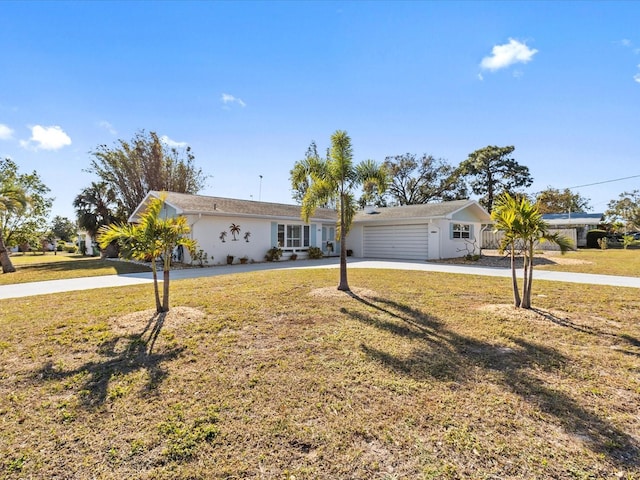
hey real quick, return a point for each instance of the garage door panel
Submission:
(396, 241)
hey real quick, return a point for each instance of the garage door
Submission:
(396, 241)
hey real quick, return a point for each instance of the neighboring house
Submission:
(428, 231)
(246, 228)
(574, 225)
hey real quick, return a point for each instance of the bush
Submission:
(71, 249)
(273, 254)
(314, 253)
(593, 236)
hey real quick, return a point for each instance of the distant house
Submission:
(574, 225)
(245, 228)
(418, 232)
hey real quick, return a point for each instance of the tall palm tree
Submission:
(153, 237)
(12, 199)
(521, 221)
(332, 181)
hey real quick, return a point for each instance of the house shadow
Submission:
(122, 355)
(445, 355)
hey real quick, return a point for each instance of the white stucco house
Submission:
(429, 231)
(246, 228)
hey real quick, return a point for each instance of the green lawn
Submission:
(277, 375)
(39, 267)
(606, 262)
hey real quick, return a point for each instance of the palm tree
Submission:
(153, 237)
(332, 180)
(506, 221)
(12, 199)
(521, 221)
(96, 206)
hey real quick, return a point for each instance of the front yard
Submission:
(277, 375)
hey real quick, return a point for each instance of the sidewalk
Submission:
(87, 283)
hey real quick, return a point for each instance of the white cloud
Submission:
(108, 127)
(172, 143)
(46, 138)
(625, 42)
(6, 133)
(505, 55)
(227, 99)
(636, 77)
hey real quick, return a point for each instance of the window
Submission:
(293, 236)
(461, 230)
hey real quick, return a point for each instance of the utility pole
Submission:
(260, 190)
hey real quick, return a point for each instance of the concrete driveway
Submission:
(86, 283)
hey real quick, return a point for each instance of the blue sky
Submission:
(248, 85)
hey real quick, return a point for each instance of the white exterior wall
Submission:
(448, 247)
(206, 230)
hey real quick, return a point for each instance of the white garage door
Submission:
(396, 241)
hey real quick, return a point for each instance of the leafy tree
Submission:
(24, 208)
(12, 198)
(132, 169)
(491, 171)
(626, 209)
(522, 224)
(153, 237)
(414, 181)
(553, 200)
(332, 180)
(98, 205)
(63, 228)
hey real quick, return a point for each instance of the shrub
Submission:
(315, 252)
(273, 254)
(71, 249)
(593, 236)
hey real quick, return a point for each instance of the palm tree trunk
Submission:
(344, 284)
(514, 277)
(525, 282)
(165, 290)
(527, 294)
(5, 260)
(156, 292)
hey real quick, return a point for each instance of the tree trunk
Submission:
(5, 260)
(156, 292)
(526, 300)
(514, 278)
(165, 290)
(344, 284)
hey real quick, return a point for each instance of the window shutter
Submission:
(450, 230)
(274, 234)
(471, 237)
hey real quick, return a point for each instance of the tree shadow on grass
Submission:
(122, 354)
(564, 322)
(448, 356)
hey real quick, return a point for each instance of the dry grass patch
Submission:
(278, 375)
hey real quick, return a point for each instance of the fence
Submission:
(491, 240)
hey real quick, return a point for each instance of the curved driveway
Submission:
(86, 283)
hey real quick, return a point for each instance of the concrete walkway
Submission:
(86, 283)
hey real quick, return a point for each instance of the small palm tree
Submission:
(523, 225)
(153, 237)
(332, 181)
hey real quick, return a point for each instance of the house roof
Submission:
(187, 204)
(421, 211)
(573, 218)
